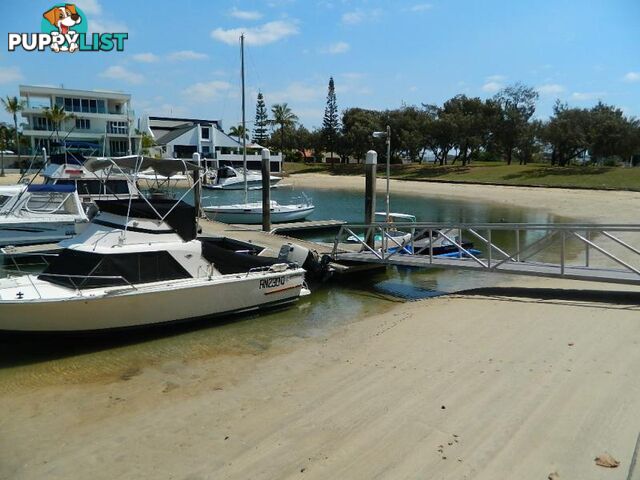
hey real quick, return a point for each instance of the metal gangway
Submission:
(591, 252)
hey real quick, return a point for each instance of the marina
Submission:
(320, 240)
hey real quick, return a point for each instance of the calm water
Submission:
(37, 361)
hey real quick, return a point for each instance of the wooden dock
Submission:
(290, 227)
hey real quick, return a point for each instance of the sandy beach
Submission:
(456, 387)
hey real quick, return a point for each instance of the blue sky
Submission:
(182, 58)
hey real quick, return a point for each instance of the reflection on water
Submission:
(33, 361)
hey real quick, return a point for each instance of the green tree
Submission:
(260, 132)
(611, 133)
(518, 104)
(567, 132)
(283, 118)
(57, 116)
(358, 124)
(440, 133)
(4, 132)
(13, 105)
(330, 122)
(239, 132)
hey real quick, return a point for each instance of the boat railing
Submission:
(84, 278)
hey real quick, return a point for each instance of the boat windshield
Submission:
(51, 202)
(76, 269)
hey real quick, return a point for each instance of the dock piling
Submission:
(266, 190)
(370, 166)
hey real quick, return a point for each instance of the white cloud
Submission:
(102, 26)
(550, 89)
(336, 48)
(145, 57)
(586, 96)
(297, 92)
(632, 77)
(421, 7)
(186, 55)
(492, 87)
(10, 74)
(496, 78)
(358, 16)
(261, 35)
(245, 14)
(206, 90)
(117, 72)
(90, 7)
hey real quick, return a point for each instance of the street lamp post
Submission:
(386, 135)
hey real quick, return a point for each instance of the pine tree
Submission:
(330, 122)
(260, 132)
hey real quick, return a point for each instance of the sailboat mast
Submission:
(244, 128)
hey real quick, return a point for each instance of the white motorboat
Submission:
(230, 178)
(251, 213)
(41, 214)
(140, 263)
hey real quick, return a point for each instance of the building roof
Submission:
(221, 139)
(37, 90)
(173, 134)
(183, 120)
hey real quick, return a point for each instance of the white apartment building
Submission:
(101, 122)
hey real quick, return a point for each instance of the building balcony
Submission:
(77, 133)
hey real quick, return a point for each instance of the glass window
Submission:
(59, 101)
(205, 132)
(68, 105)
(117, 187)
(85, 105)
(76, 104)
(93, 108)
(101, 106)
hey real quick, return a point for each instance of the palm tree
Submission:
(285, 118)
(13, 105)
(3, 146)
(238, 131)
(57, 115)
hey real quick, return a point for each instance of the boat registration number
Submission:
(272, 282)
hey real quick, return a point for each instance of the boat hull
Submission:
(154, 304)
(254, 216)
(34, 233)
(239, 185)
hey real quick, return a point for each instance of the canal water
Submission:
(28, 361)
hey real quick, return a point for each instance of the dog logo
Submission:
(63, 28)
(64, 18)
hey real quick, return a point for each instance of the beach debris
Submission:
(443, 407)
(169, 386)
(553, 476)
(571, 344)
(227, 437)
(302, 470)
(606, 460)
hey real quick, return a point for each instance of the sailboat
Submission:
(251, 212)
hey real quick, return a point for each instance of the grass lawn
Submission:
(590, 177)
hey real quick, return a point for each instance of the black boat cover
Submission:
(76, 269)
(182, 218)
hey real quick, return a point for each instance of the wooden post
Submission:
(370, 167)
(196, 186)
(266, 190)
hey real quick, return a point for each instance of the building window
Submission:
(101, 108)
(121, 128)
(93, 108)
(41, 123)
(68, 105)
(205, 132)
(60, 101)
(76, 104)
(83, 124)
(85, 105)
(118, 147)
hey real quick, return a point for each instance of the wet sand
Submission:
(465, 386)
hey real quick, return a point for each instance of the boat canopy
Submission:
(180, 216)
(164, 166)
(77, 269)
(52, 188)
(68, 158)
